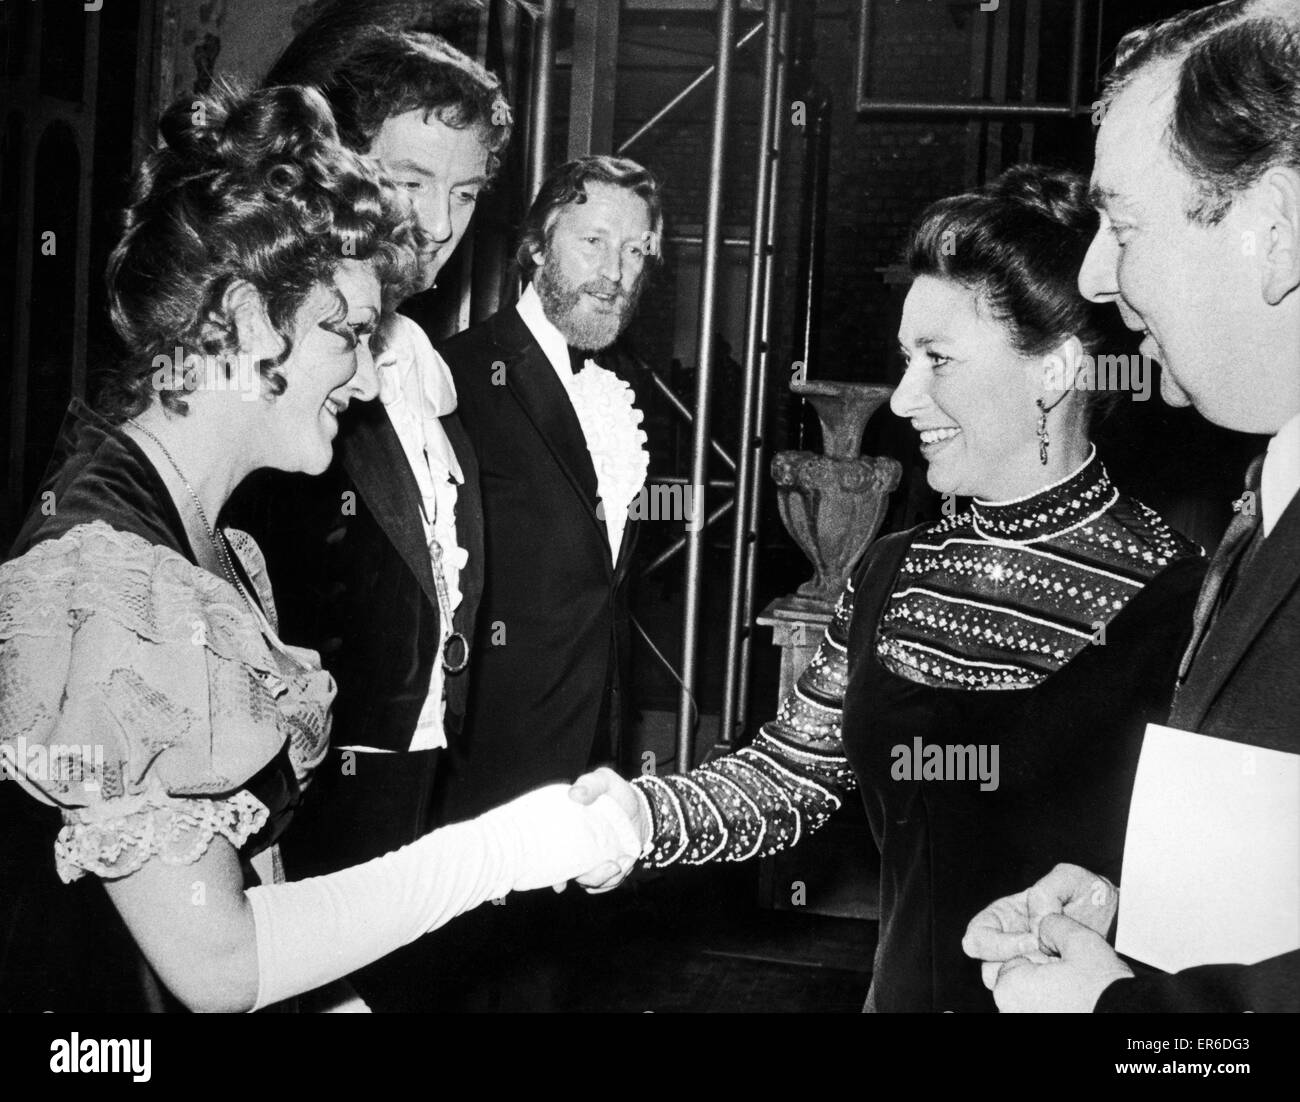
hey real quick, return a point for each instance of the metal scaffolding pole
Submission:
(703, 382)
(757, 472)
(539, 128)
(683, 411)
(743, 536)
(679, 544)
(594, 74)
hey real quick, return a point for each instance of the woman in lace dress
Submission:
(1042, 621)
(158, 732)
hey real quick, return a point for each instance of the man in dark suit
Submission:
(378, 563)
(1197, 178)
(562, 458)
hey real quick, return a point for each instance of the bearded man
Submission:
(562, 457)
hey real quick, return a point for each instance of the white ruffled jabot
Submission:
(607, 413)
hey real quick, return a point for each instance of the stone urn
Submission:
(833, 504)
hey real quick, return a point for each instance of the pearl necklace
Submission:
(223, 556)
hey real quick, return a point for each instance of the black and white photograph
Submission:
(651, 507)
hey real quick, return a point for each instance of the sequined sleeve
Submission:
(769, 795)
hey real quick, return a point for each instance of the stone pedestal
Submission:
(837, 870)
(797, 625)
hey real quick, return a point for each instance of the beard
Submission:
(586, 324)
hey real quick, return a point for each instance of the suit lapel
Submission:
(469, 524)
(373, 458)
(630, 531)
(1257, 594)
(545, 402)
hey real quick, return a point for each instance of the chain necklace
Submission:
(223, 556)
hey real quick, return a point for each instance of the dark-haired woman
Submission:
(987, 678)
(158, 732)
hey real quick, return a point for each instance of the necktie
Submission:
(577, 360)
(1224, 567)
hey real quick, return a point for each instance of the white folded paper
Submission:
(1212, 854)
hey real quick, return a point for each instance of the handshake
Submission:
(592, 832)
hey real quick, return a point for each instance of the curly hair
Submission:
(1236, 110)
(371, 73)
(1019, 242)
(568, 184)
(243, 186)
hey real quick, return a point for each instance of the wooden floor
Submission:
(693, 941)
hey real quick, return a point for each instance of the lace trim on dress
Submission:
(151, 591)
(250, 558)
(126, 670)
(112, 842)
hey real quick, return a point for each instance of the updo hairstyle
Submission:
(243, 186)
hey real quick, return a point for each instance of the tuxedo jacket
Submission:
(545, 695)
(350, 571)
(1243, 686)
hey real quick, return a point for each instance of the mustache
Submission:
(622, 298)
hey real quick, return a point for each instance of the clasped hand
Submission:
(593, 832)
(587, 790)
(1045, 948)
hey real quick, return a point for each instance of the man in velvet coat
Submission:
(360, 554)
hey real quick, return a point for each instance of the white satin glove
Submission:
(560, 839)
(312, 932)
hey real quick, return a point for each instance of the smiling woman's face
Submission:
(331, 365)
(969, 394)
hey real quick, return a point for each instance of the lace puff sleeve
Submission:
(767, 796)
(138, 695)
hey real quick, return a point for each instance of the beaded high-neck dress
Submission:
(1001, 596)
(986, 682)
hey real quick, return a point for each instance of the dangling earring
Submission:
(1043, 438)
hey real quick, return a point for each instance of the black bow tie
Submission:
(577, 360)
